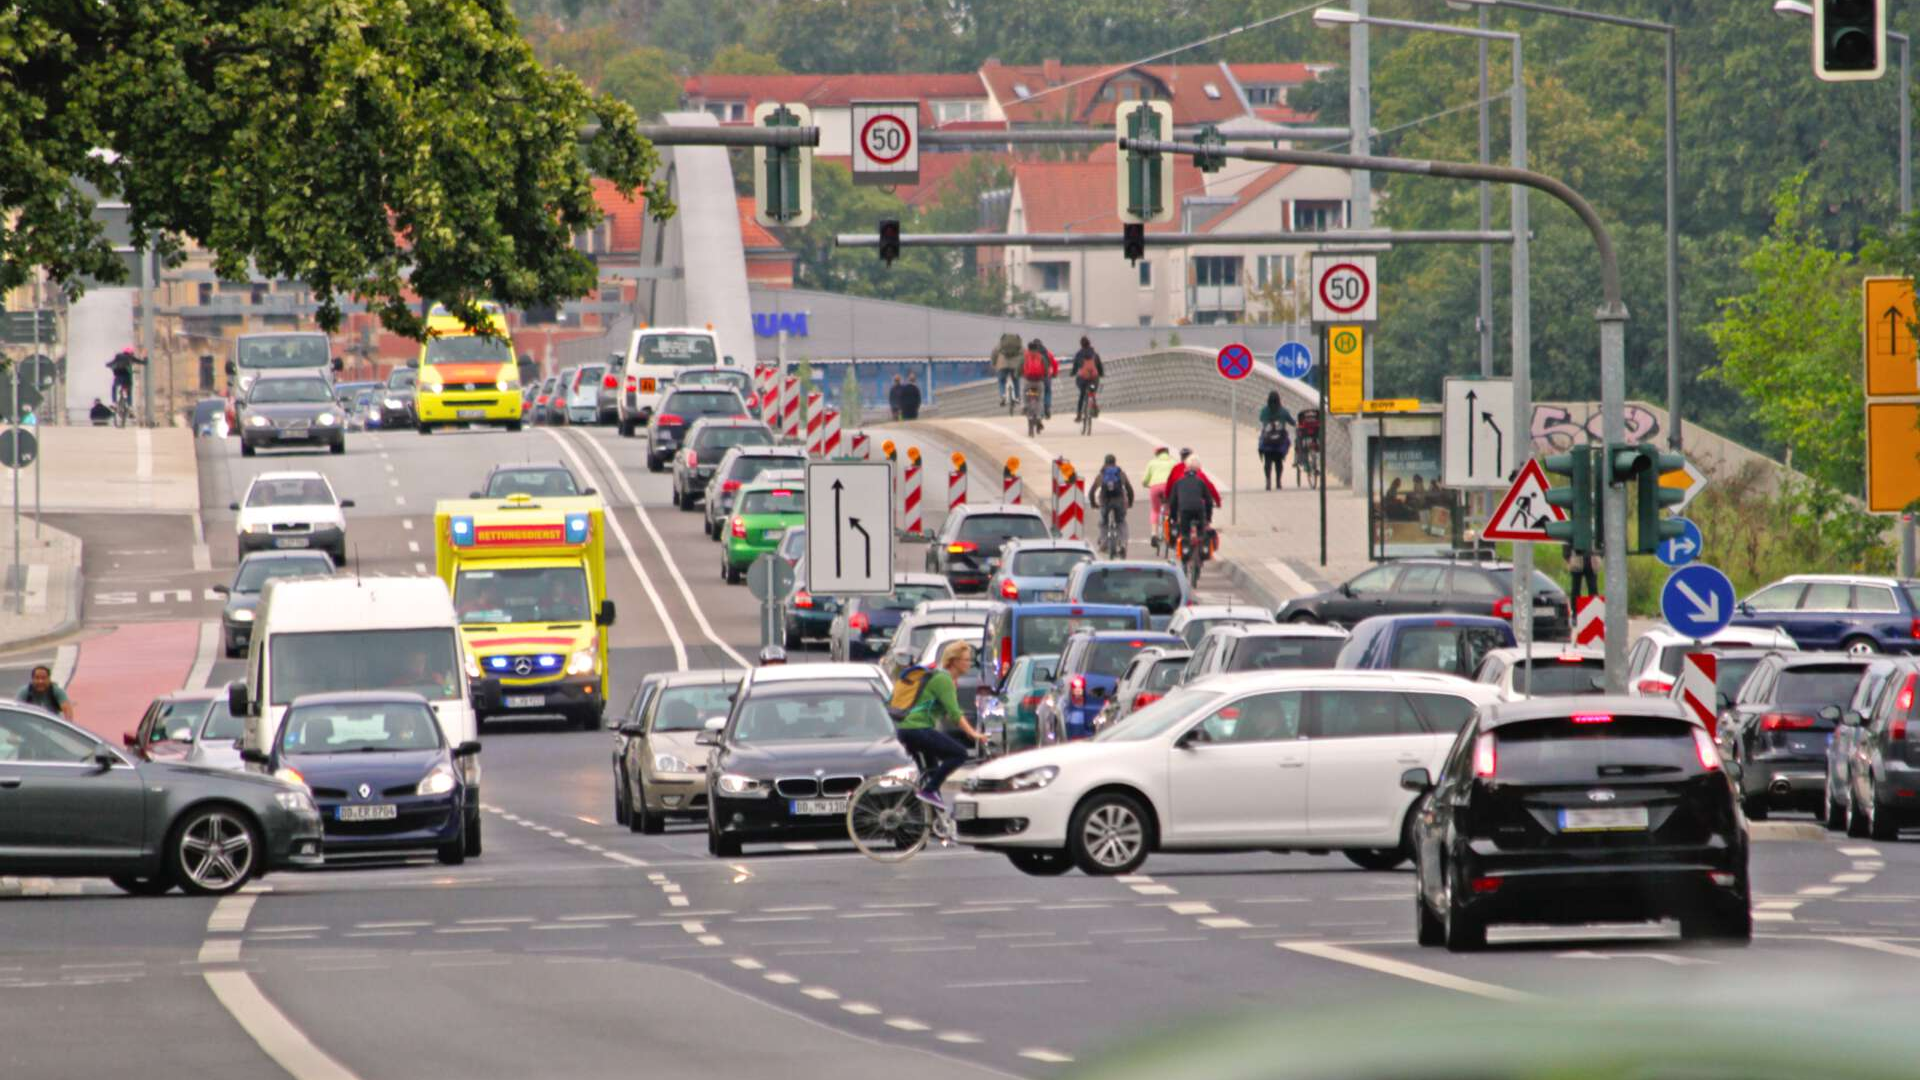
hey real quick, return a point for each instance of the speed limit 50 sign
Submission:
(886, 142)
(1345, 289)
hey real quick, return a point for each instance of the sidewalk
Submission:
(1270, 539)
(50, 578)
(103, 469)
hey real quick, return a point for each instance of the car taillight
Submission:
(611, 382)
(1484, 757)
(1031, 701)
(1708, 753)
(1077, 689)
(803, 598)
(1593, 718)
(963, 547)
(692, 458)
(739, 528)
(1486, 884)
(1503, 608)
(1009, 590)
(1785, 722)
(1904, 702)
(859, 622)
(1006, 654)
(729, 485)
(1144, 698)
(1653, 686)
(668, 419)
(1571, 658)
(632, 382)
(1897, 729)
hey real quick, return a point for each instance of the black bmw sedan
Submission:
(797, 743)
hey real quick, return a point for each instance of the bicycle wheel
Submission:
(886, 822)
(1196, 559)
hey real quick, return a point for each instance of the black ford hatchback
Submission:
(1579, 810)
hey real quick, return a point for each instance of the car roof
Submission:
(1052, 543)
(917, 577)
(1155, 565)
(701, 676)
(523, 466)
(289, 474)
(1344, 679)
(1279, 630)
(1849, 579)
(1165, 652)
(191, 695)
(728, 421)
(975, 509)
(762, 483)
(1547, 649)
(360, 697)
(1067, 608)
(1435, 619)
(1191, 612)
(1666, 635)
(307, 555)
(1542, 708)
(793, 673)
(768, 449)
(1157, 636)
(1818, 659)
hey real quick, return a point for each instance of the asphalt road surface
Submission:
(574, 948)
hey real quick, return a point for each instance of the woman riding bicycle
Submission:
(938, 704)
(1154, 479)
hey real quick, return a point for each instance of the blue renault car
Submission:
(1449, 644)
(381, 772)
(1018, 630)
(1089, 670)
(1036, 571)
(1856, 614)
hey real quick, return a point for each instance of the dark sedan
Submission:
(864, 628)
(678, 410)
(243, 595)
(1884, 773)
(795, 746)
(1425, 586)
(72, 806)
(1774, 735)
(292, 409)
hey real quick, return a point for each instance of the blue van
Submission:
(1449, 644)
(1043, 629)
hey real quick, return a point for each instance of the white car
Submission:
(1192, 622)
(1653, 663)
(1559, 669)
(1234, 647)
(1272, 760)
(285, 511)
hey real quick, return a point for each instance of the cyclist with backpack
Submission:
(923, 700)
(1037, 370)
(1088, 370)
(1275, 439)
(1113, 497)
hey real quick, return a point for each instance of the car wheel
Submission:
(1856, 820)
(213, 851)
(159, 885)
(1041, 863)
(1756, 807)
(728, 572)
(339, 555)
(636, 820)
(338, 448)
(454, 851)
(246, 448)
(653, 462)
(473, 837)
(649, 822)
(626, 429)
(1427, 927)
(793, 638)
(721, 847)
(1109, 834)
(1880, 824)
(423, 427)
(1732, 924)
(1836, 814)
(589, 718)
(1860, 645)
(674, 497)
(233, 653)
(621, 815)
(1465, 931)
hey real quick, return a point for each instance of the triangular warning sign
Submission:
(1524, 511)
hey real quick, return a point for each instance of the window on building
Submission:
(1212, 318)
(959, 111)
(1265, 95)
(206, 372)
(259, 294)
(1146, 320)
(1216, 270)
(1053, 276)
(1146, 274)
(1272, 270)
(206, 293)
(1318, 215)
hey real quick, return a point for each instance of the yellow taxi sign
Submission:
(1887, 328)
(1405, 404)
(1346, 368)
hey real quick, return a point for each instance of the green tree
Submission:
(585, 51)
(644, 78)
(384, 150)
(737, 59)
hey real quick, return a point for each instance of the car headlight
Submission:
(504, 384)
(256, 420)
(327, 419)
(291, 776)
(257, 527)
(243, 615)
(744, 786)
(902, 772)
(430, 386)
(438, 781)
(1033, 779)
(582, 663)
(297, 801)
(667, 763)
(473, 668)
(395, 403)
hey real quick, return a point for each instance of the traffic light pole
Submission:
(1612, 317)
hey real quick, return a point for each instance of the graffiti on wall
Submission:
(1556, 428)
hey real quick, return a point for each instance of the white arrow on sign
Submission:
(1702, 610)
(1683, 546)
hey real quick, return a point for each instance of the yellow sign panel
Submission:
(1893, 455)
(1346, 368)
(1888, 324)
(1400, 404)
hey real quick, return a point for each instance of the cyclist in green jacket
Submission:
(939, 703)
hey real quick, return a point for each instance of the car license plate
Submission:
(470, 414)
(1054, 594)
(964, 810)
(773, 534)
(819, 806)
(290, 542)
(380, 812)
(526, 701)
(1611, 819)
(647, 386)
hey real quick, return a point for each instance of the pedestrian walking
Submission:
(42, 691)
(894, 394)
(910, 398)
(1276, 439)
(1580, 569)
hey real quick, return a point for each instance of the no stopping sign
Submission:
(1343, 289)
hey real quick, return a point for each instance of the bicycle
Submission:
(1034, 408)
(1113, 532)
(1195, 547)
(889, 824)
(1089, 408)
(122, 404)
(1306, 449)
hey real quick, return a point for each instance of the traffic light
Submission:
(1576, 498)
(1211, 159)
(1849, 39)
(1133, 241)
(889, 240)
(1643, 465)
(1144, 181)
(782, 175)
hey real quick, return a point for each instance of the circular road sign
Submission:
(40, 370)
(885, 139)
(1345, 288)
(18, 448)
(1294, 360)
(1683, 549)
(1235, 361)
(1697, 600)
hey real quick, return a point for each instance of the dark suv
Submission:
(678, 410)
(1774, 736)
(969, 545)
(707, 441)
(1883, 792)
(1594, 809)
(1464, 585)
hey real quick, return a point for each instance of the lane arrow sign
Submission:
(1472, 397)
(1499, 442)
(837, 572)
(864, 535)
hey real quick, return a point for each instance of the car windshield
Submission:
(290, 491)
(946, 635)
(506, 482)
(1156, 719)
(468, 349)
(794, 543)
(1732, 671)
(1563, 675)
(906, 597)
(1828, 684)
(1048, 633)
(774, 501)
(358, 728)
(402, 378)
(269, 351)
(682, 350)
(1455, 650)
(1156, 590)
(688, 708)
(719, 439)
(702, 403)
(1285, 653)
(996, 529)
(840, 712)
(736, 380)
(1166, 673)
(1111, 657)
(918, 636)
(255, 573)
(290, 391)
(1585, 747)
(1197, 628)
(424, 661)
(221, 723)
(1055, 563)
(176, 719)
(521, 595)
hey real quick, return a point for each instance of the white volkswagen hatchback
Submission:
(285, 511)
(1271, 760)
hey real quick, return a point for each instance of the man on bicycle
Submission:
(1113, 497)
(1191, 498)
(1088, 370)
(122, 367)
(919, 731)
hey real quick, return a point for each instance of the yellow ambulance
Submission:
(529, 584)
(464, 377)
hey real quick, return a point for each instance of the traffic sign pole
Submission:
(1235, 363)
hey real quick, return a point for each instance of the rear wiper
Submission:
(1637, 770)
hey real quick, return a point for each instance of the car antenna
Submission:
(356, 566)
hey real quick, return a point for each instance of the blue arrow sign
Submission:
(1697, 601)
(1683, 549)
(1294, 360)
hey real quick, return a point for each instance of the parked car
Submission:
(1160, 587)
(664, 769)
(1600, 809)
(1150, 675)
(1547, 669)
(864, 627)
(1468, 585)
(1273, 760)
(1884, 773)
(1653, 661)
(1016, 708)
(764, 512)
(1452, 644)
(970, 542)
(1774, 736)
(77, 807)
(1192, 622)
(285, 511)
(678, 411)
(540, 479)
(1091, 662)
(1857, 614)
(1257, 647)
(287, 410)
(250, 579)
(739, 466)
(1846, 744)
(1036, 571)
(707, 443)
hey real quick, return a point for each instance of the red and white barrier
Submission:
(1070, 519)
(910, 509)
(1698, 693)
(830, 434)
(1589, 620)
(816, 425)
(1010, 482)
(765, 386)
(789, 414)
(957, 483)
(862, 449)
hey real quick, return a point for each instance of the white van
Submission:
(321, 635)
(291, 352)
(656, 355)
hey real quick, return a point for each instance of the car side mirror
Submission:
(130, 739)
(477, 495)
(346, 504)
(1744, 608)
(1723, 700)
(233, 506)
(1831, 712)
(1194, 735)
(467, 749)
(1346, 589)
(707, 738)
(254, 757)
(105, 758)
(237, 699)
(1417, 780)
(605, 617)
(590, 491)
(223, 590)
(633, 731)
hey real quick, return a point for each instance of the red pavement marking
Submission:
(117, 675)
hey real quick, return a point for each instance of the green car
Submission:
(1028, 682)
(763, 513)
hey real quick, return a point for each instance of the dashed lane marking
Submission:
(1325, 950)
(1050, 1057)
(1860, 852)
(1851, 879)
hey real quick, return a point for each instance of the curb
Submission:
(76, 597)
(1786, 830)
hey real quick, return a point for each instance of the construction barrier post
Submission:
(1010, 482)
(957, 482)
(910, 509)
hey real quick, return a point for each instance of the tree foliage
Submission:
(382, 149)
(645, 79)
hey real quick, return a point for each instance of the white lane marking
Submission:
(203, 653)
(143, 454)
(1851, 879)
(901, 1023)
(1225, 922)
(1773, 916)
(1860, 852)
(626, 546)
(1291, 579)
(1401, 969)
(1191, 907)
(202, 556)
(220, 951)
(419, 568)
(1869, 864)
(798, 907)
(1822, 890)
(710, 939)
(1777, 905)
(860, 1008)
(747, 963)
(1878, 946)
(678, 901)
(406, 523)
(399, 500)
(283, 1042)
(398, 924)
(1051, 1057)
(959, 1037)
(999, 984)
(496, 919)
(666, 553)
(627, 859)
(230, 913)
(780, 978)
(1156, 890)
(820, 993)
(473, 929)
(413, 546)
